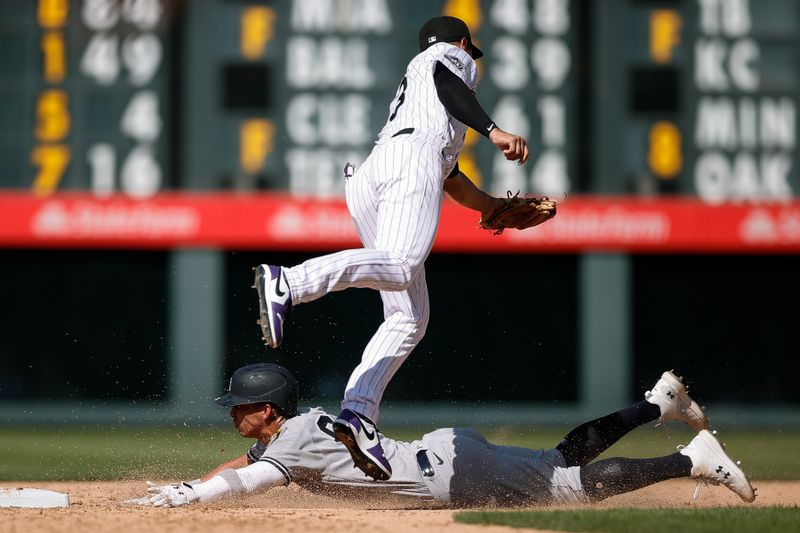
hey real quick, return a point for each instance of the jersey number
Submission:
(325, 424)
(401, 97)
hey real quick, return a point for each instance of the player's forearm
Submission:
(461, 189)
(229, 482)
(239, 462)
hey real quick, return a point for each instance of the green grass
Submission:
(722, 520)
(97, 453)
(170, 452)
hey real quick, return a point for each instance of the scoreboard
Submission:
(330, 68)
(140, 96)
(644, 97)
(743, 93)
(531, 88)
(84, 89)
(712, 99)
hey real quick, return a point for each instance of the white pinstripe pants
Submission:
(395, 200)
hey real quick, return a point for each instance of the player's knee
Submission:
(414, 324)
(421, 325)
(408, 268)
(607, 477)
(409, 273)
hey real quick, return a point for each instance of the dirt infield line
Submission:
(96, 507)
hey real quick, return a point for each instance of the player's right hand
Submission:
(146, 499)
(514, 147)
(172, 495)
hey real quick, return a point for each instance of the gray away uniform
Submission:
(455, 465)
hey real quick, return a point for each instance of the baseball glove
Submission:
(520, 213)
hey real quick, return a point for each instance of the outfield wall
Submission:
(149, 335)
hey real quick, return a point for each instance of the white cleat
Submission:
(711, 465)
(671, 396)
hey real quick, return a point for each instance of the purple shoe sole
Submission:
(345, 435)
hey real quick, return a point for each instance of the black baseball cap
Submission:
(443, 30)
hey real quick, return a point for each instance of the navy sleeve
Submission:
(460, 101)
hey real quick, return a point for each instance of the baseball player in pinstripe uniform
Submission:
(458, 467)
(394, 200)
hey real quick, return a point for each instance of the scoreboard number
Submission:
(52, 116)
(100, 60)
(140, 173)
(51, 160)
(529, 63)
(102, 159)
(141, 55)
(664, 154)
(141, 120)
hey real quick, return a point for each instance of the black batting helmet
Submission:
(262, 383)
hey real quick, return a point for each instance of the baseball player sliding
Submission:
(394, 199)
(458, 467)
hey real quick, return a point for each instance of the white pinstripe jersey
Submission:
(416, 104)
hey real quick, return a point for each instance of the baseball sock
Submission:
(584, 443)
(616, 475)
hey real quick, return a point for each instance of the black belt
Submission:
(425, 464)
(405, 131)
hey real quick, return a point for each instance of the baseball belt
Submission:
(425, 464)
(405, 131)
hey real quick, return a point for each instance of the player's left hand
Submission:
(492, 206)
(172, 495)
(519, 213)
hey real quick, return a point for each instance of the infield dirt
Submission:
(95, 507)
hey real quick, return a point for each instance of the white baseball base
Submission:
(37, 498)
